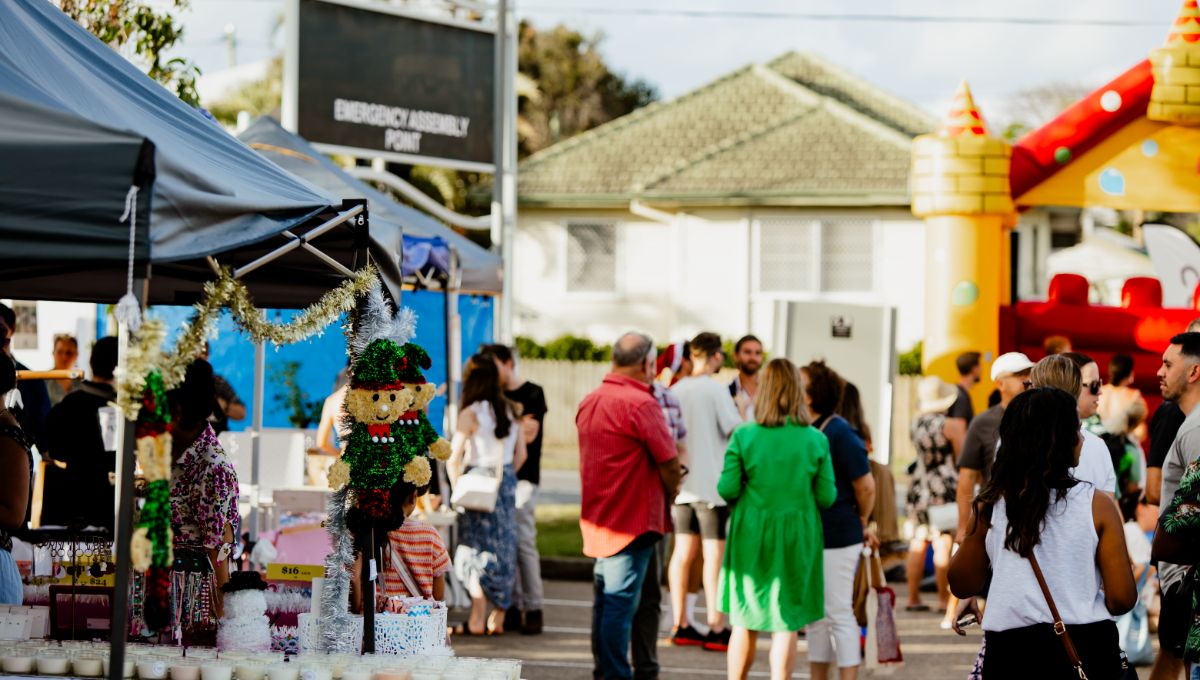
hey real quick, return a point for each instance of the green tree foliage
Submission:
(909, 363)
(258, 98)
(576, 90)
(563, 348)
(139, 32)
(290, 399)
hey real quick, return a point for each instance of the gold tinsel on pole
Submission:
(146, 355)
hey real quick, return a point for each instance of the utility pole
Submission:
(230, 45)
(504, 182)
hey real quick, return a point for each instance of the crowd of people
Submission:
(1039, 511)
(761, 480)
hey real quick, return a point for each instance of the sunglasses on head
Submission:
(1093, 387)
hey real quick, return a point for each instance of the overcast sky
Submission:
(919, 60)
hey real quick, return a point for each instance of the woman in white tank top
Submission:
(1032, 504)
(486, 438)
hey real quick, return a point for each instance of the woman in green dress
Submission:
(777, 477)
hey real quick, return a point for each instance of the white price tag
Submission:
(110, 420)
(374, 573)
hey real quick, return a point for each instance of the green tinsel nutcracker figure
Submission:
(390, 435)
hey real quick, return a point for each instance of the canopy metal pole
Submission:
(126, 457)
(509, 177)
(500, 159)
(453, 343)
(260, 383)
(298, 241)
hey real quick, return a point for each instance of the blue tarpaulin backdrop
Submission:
(320, 359)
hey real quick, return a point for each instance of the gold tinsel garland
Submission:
(145, 351)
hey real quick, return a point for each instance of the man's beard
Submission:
(746, 370)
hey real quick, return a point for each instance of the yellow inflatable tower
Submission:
(960, 187)
(1176, 65)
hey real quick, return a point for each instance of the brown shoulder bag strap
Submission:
(1060, 628)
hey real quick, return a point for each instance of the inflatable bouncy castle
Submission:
(1132, 144)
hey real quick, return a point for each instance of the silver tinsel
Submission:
(378, 320)
(337, 626)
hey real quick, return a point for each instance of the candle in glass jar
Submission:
(216, 670)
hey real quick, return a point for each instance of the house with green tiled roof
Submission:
(782, 181)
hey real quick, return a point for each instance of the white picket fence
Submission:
(566, 383)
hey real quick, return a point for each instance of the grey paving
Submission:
(563, 651)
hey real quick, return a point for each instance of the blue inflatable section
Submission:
(317, 361)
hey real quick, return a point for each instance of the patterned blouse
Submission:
(937, 484)
(1182, 520)
(204, 494)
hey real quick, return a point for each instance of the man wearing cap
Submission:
(1009, 372)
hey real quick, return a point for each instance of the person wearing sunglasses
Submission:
(1089, 374)
(1062, 371)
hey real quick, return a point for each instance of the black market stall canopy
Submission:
(424, 241)
(65, 175)
(213, 201)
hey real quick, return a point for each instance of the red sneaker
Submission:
(686, 636)
(717, 642)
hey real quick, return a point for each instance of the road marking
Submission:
(567, 631)
(691, 672)
(587, 604)
(567, 603)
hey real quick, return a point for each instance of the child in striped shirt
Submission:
(420, 547)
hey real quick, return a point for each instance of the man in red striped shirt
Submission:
(630, 474)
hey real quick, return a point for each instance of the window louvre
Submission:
(847, 256)
(591, 257)
(785, 255)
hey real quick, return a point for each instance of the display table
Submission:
(150, 662)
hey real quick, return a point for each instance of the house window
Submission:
(785, 255)
(809, 256)
(847, 256)
(591, 257)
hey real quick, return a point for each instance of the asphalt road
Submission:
(559, 487)
(563, 652)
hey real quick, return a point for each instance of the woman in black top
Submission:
(16, 477)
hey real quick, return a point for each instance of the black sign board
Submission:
(376, 83)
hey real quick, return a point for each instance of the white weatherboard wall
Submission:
(672, 280)
(696, 272)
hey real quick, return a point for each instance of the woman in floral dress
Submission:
(931, 497)
(486, 439)
(204, 506)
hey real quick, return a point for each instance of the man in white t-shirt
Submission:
(1095, 464)
(700, 515)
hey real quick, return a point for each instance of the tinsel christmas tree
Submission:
(390, 439)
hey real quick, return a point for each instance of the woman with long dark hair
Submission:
(486, 442)
(16, 481)
(204, 505)
(1033, 508)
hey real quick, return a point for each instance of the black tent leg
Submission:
(126, 459)
(368, 594)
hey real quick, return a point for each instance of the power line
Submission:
(813, 16)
